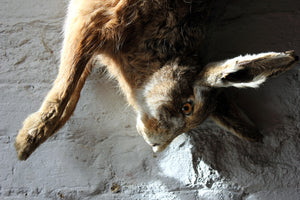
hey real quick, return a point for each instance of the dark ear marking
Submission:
(239, 76)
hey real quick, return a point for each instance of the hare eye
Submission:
(187, 108)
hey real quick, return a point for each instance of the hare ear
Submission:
(230, 117)
(246, 71)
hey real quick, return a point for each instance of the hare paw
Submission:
(30, 136)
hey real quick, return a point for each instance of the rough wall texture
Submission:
(99, 148)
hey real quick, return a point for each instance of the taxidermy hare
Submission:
(152, 48)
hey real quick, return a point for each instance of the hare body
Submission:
(152, 48)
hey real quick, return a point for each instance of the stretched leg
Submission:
(80, 44)
(230, 117)
(73, 100)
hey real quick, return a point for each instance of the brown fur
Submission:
(152, 48)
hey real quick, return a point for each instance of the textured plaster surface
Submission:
(99, 149)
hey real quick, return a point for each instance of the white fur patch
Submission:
(255, 83)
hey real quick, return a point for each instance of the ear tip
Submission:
(293, 54)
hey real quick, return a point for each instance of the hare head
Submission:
(172, 104)
(178, 98)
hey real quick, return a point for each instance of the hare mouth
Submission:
(156, 147)
(159, 147)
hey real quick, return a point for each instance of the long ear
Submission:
(230, 117)
(246, 71)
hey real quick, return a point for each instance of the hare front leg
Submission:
(79, 46)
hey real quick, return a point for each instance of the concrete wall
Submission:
(99, 147)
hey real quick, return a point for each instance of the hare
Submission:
(152, 48)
